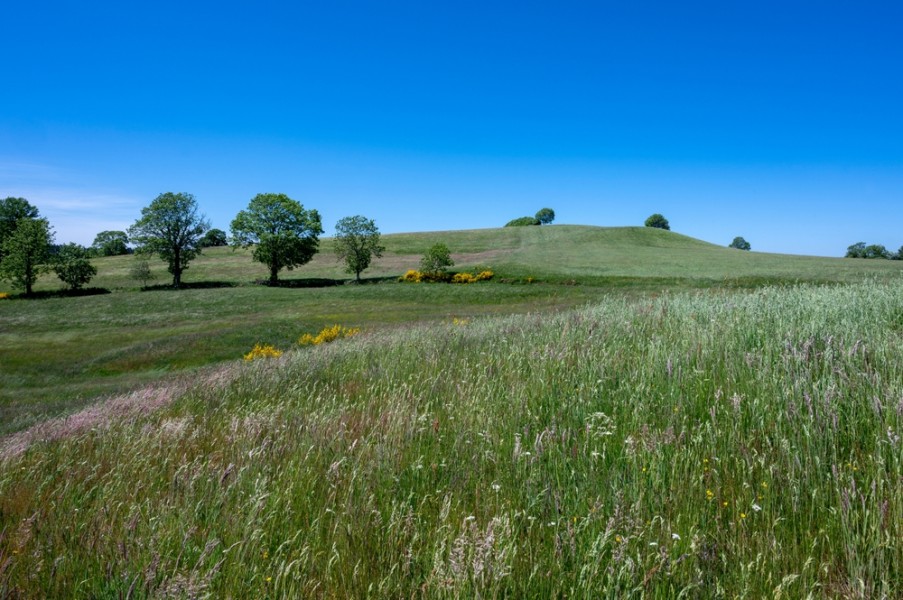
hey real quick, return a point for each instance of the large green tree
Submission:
(26, 253)
(172, 229)
(283, 233)
(111, 243)
(356, 243)
(13, 210)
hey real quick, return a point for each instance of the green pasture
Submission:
(58, 353)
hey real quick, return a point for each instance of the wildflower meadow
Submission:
(721, 445)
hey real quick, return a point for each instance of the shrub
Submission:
(263, 351)
(463, 278)
(411, 276)
(4, 296)
(523, 222)
(327, 335)
(485, 275)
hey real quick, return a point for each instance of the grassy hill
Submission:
(59, 353)
(589, 255)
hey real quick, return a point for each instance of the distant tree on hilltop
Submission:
(740, 244)
(110, 243)
(545, 216)
(658, 221)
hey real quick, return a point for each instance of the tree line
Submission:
(282, 233)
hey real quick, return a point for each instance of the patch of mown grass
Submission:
(737, 444)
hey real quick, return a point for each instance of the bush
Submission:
(523, 222)
(463, 278)
(263, 351)
(327, 335)
(411, 276)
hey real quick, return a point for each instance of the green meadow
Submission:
(620, 412)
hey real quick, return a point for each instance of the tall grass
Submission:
(720, 445)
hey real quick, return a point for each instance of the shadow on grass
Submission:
(322, 282)
(42, 295)
(194, 285)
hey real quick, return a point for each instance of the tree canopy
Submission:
(171, 228)
(283, 233)
(658, 221)
(26, 253)
(860, 250)
(13, 210)
(356, 243)
(545, 216)
(214, 238)
(437, 259)
(740, 244)
(111, 243)
(73, 266)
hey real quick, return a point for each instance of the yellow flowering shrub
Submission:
(4, 296)
(463, 278)
(328, 334)
(263, 351)
(411, 276)
(485, 275)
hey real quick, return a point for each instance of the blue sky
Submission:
(777, 121)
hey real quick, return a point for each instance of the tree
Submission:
(658, 221)
(522, 222)
(26, 253)
(545, 216)
(72, 266)
(141, 271)
(356, 243)
(13, 210)
(856, 250)
(283, 234)
(170, 228)
(740, 244)
(899, 254)
(860, 250)
(111, 243)
(436, 260)
(214, 238)
(876, 251)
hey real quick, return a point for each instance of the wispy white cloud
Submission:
(76, 210)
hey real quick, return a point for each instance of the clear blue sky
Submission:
(778, 121)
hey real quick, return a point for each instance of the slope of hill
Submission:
(59, 353)
(590, 255)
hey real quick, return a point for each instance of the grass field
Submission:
(725, 444)
(58, 354)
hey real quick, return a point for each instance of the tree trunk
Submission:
(358, 275)
(274, 274)
(177, 270)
